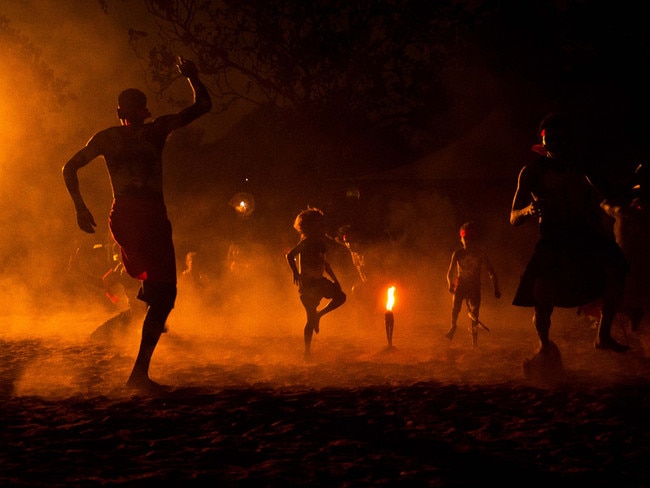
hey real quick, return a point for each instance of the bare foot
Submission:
(611, 345)
(450, 334)
(145, 384)
(546, 367)
(547, 348)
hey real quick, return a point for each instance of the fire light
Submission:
(389, 319)
(243, 204)
(390, 299)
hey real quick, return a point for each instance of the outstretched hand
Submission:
(187, 67)
(86, 221)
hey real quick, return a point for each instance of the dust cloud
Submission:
(245, 323)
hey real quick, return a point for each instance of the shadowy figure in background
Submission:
(309, 264)
(575, 260)
(464, 279)
(86, 268)
(194, 276)
(119, 285)
(138, 217)
(632, 233)
(196, 286)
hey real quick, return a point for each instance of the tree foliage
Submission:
(373, 60)
(22, 58)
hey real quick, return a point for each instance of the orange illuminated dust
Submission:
(390, 299)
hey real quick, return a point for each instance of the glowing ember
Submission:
(390, 300)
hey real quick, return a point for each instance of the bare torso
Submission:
(133, 156)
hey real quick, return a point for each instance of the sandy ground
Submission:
(245, 409)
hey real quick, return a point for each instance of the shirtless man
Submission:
(138, 217)
(576, 260)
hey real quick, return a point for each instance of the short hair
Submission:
(309, 221)
(132, 99)
(132, 104)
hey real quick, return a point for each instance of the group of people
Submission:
(574, 261)
(579, 259)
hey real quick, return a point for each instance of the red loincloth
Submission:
(142, 230)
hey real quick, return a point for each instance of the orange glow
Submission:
(243, 204)
(390, 299)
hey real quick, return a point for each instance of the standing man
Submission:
(138, 217)
(576, 260)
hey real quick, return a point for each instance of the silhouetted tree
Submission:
(375, 61)
(23, 59)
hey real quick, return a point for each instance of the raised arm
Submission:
(202, 101)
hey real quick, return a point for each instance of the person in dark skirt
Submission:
(576, 259)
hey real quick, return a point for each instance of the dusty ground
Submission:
(244, 409)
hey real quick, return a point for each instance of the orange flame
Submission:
(390, 299)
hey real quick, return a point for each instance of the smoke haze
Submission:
(249, 317)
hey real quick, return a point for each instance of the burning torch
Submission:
(389, 319)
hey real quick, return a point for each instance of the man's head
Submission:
(132, 106)
(555, 133)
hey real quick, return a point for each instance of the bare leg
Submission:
(151, 331)
(474, 305)
(604, 339)
(474, 330)
(543, 292)
(308, 334)
(611, 299)
(542, 322)
(336, 302)
(456, 305)
(310, 304)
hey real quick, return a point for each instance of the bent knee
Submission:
(161, 296)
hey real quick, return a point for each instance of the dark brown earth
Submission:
(244, 409)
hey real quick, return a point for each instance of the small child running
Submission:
(309, 265)
(464, 279)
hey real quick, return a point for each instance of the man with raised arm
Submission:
(138, 216)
